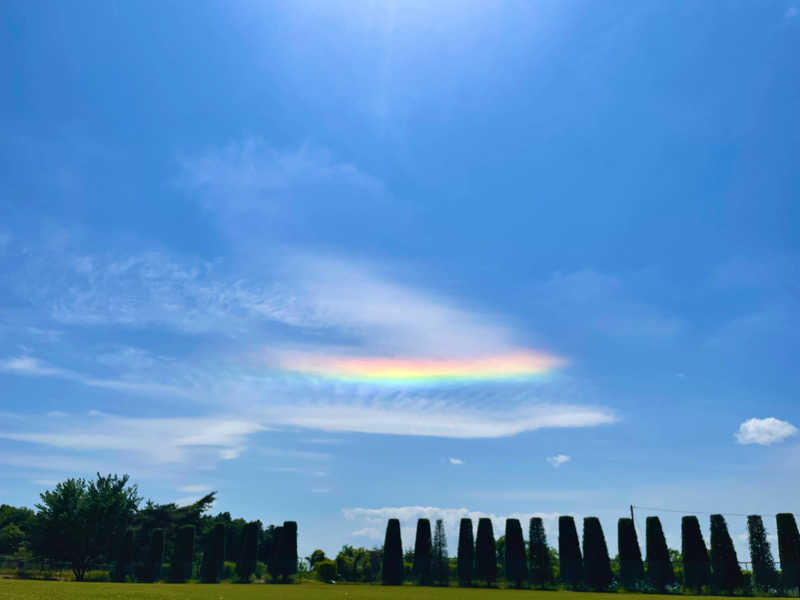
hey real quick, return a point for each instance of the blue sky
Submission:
(187, 198)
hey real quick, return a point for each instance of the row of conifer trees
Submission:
(282, 561)
(715, 569)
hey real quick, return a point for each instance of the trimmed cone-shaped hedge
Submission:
(516, 561)
(213, 555)
(466, 553)
(392, 554)
(659, 566)
(485, 552)
(246, 565)
(275, 565)
(765, 576)
(441, 561)
(788, 551)
(631, 566)
(423, 553)
(569, 553)
(540, 565)
(726, 576)
(181, 566)
(126, 553)
(696, 566)
(596, 562)
(155, 555)
(289, 548)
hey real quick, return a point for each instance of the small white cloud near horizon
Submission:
(558, 460)
(195, 489)
(764, 431)
(455, 461)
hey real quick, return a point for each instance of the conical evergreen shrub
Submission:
(540, 565)
(423, 553)
(765, 576)
(631, 566)
(288, 549)
(392, 573)
(466, 553)
(246, 565)
(788, 551)
(156, 555)
(659, 566)
(485, 552)
(516, 561)
(696, 565)
(569, 553)
(213, 555)
(441, 560)
(726, 576)
(183, 554)
(596, 562)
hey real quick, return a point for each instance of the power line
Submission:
(689, 512)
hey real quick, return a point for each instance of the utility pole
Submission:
(632, 519)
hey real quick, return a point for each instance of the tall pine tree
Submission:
(765, 576)
(788, 551)
(659, 566)
(726, 576)
(466, 553)
(596, 562)
(569, 553)
(485, 552)
(423, 553)
(392, 573)
(631, 566)
(441, 560)
(516, 561)
(540, 565)
(696, 566)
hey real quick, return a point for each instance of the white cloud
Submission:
(764, 431)
(558, 460)
(455, 461)
(195, 489)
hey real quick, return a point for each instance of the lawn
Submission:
(56, 590)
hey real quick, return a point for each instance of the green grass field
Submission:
(55, 590)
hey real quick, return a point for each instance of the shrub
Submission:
(97, 576)
(485, 553)
(631, 567)
(541, 567)
(659, 566)
(440, 569)
(213, 556)
(326, 570)
(423, 553)
(725, 573)
(788, 550)
(288, 549)
(596, 562)
(392, 573)
(696, 568)
(516, 561)
(228, 570)
(569, 552)
(764, 575)
(466, 553)
(246, 565)
(181, 567)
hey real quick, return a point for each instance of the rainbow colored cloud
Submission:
(401, 371)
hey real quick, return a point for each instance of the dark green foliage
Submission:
(156, 554)
(659, 566)
(423, 553)
(274, 566)
(392, 554)
(569, 552)
(125, 556)
(631, 567)
(440, 568)
(596, 562)
(326, 570)
(181, 566)
(485, 554)
(213, 555)
(289, 548)
(466, 553)
(246, 565)
(765, 576)
(541, 567)
(725, 573)
(788, 551)
(516, 561)
(696, 566)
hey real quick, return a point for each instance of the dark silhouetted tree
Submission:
(659, 566)
(392, 554)
(765, 576)
(246, 565)
(126, 554)
(541, 567)
(516, 561)
(569, 552)
(596, 562)
(485, 553)
(441, 561)
(423, 553)
(788, 551)
(275, 562)
(156, 555)
(214, 555)
(696, 566)
(181, 566)
(288, 550)
(725, 573)
(631, 566)
(466, 553)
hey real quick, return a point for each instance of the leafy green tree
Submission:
(569, 551)
(596, 562)
(515, 559)
(696, 566)
(392, 554)
(541, 566)
(466, 553)
(16, 526)
(485, 554)
(631, 567)
(326, 570)
(726, 575)
(765, 576)
(80, 522)
(315, 557)
(659, 567)
(183, 555)
(423, 553)
(788, 551)
(246, 565)
(441, 561)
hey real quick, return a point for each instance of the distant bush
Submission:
(97, 576)
(228, 570)
(326, 570)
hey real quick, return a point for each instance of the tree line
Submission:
(700, 569)
(103, 524)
